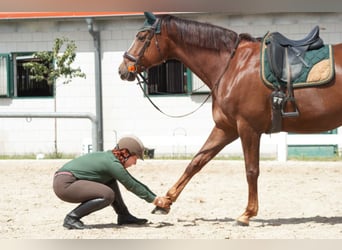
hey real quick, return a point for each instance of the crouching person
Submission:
(91, 180)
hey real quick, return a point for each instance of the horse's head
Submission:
(141, 55)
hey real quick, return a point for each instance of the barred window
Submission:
(172, 78)
(15, 80)
(168, 78)
(26, 86)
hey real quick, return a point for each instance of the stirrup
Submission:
(294, 113)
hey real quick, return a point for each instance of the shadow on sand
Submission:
(272, 222)
(264, 223)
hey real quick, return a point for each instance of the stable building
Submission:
(122, 107)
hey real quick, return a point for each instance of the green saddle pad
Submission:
(320, 70)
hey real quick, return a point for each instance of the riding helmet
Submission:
(133, 144)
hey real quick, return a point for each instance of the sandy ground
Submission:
(298, 200)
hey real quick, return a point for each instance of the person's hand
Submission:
(162, 205)
(163, 202)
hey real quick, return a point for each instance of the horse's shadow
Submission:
(263, 222)
(113, 225)
(293, 221)
(282, 221)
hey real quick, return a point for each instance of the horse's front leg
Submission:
(251, 145)
(214, 144)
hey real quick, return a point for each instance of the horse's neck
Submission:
(208, 65)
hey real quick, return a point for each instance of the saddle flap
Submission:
(275, 56)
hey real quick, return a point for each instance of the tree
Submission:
(52, 65)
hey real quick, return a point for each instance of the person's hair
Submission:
(121, 154)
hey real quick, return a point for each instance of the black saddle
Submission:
(312, 39)
(281, 50)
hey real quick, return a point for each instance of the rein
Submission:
(144, 80)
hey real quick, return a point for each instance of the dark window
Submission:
(168, 78)
(27, 87)
(15, 80)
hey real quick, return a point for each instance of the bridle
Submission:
(136, 60)
(142, 80)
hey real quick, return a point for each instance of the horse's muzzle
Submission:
(127, 75)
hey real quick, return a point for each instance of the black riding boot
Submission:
(124, 216)
(72, 219)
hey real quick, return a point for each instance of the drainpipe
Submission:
(98, 82)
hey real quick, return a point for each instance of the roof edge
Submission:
(47, 15)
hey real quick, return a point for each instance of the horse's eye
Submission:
(141, 38)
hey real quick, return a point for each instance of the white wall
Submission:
(125, 109)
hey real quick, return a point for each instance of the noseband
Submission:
(136, 60)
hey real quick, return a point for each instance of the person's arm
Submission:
(163, 202)
(133, 185)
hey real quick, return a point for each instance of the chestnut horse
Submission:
(229, 64)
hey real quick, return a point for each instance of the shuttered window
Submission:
(4, 76)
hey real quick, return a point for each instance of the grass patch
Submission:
(48, 156)
(190, 157)
(264, 158)
(311, 158)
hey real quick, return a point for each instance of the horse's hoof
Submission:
(241, 224)
(159, 210)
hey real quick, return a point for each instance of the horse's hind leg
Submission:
(214, 144)
(251, 145)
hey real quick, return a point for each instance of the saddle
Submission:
(277, 44)
(286, 61)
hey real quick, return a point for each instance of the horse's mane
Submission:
(203, 35)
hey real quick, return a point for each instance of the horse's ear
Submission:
(150, 18)
(149, 21)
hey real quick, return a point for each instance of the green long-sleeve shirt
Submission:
(103, 167)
